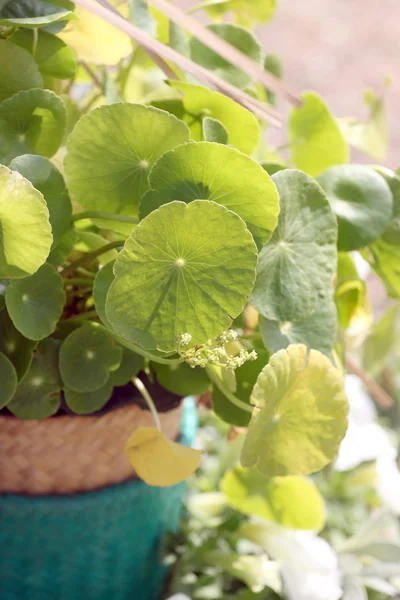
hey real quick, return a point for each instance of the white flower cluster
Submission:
(214, 352)
(183, 339)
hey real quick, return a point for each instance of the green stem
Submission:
(78, 281)
(84, 271)
(139, 385)
(211, 372)
(97, 214)
(138, 349)
(35, 41)
(91, 255)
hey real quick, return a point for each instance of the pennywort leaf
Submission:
(9, 380)
(18, 70)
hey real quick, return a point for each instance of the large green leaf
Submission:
(300, 416)
(111, 151)
(316, 140)
(294, 502)
(87, 357)
(84, 403)
(31, 121)
(182, 379)
(17, 348)
(216, 172)
(18, 70)
(185, 268)
(25, 229)
(296, 267)
(9, 380)
(318, 330)
(48, 180)
(245, 376)
(38, 394)
(239, 37)
(242, 126)
(35, 13)
(52, 55)
(246, 12)
(362, 202)
(35, 303)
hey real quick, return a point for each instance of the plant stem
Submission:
(139, 385)
(381, 397)
(211, 372)
(78, 281)
(35, 41)
(91, 255)
(92, 75)
(98, 214)
(84, 271)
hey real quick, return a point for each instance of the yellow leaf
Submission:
(159, 461)
(94, 40)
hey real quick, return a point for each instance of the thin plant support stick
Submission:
(141, 388)
(381, 397)
(263, 111)
(226, 50)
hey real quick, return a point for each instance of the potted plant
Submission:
(154, 247)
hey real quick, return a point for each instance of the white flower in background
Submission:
(308, 564)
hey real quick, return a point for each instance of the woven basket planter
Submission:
(74, 521)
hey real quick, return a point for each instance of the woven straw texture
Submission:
(66, 454)
(101, 545)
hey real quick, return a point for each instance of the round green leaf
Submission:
(296, 267)
(38, 394)
(214, 172)
(18, 70)
(246, 376)
(316, 139)
(362, 202)
(102, 282)
(239, 37)
(293, 502)
(44, 176)
(214, 131)
(85, 403)
(24, 223)
(130, 366)
(111, 151)
(35, 303)
(31, 122)
(300, 416)
(35, 13)
(53, 57)
(185, 268)
(317, 331)
(181, 379)
(17, 348)
(242, 126)
(9, 380)
(87, 357)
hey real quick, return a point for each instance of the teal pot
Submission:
(103, 544)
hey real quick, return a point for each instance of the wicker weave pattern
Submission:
(65, 454)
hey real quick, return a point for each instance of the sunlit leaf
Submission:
(87, 357)
(158, 461)
(296, 267)
(300, 416)
(9, 380)
(362, 202)
(214, 131)
(89, 241)
(246, 12)
(216, 172)
(38, 394)
(31, 122)
(242, 126)
(122, 142)
(84, 403)
(25, 229)
(185, 268)
(316, 140)
(290, 501)
(48, 180)
(380, 341)
(182, 379)
(14, 345)
(35, 13)
(239, 37)
(18, 70)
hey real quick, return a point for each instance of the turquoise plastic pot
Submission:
(102, 545)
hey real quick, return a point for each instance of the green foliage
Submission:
(315, 137)
(295, 430)
(362, 202)
(181, 379)
(84, 403)
(131, 364)
(171, 276)
(33, 14)
(18, 70)
(9, 380)
(14, 345)
(35, 303)
(380, 341)
(214, 131)
(296, 267)
(245, 12)
(102, 283)
(25, 229)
